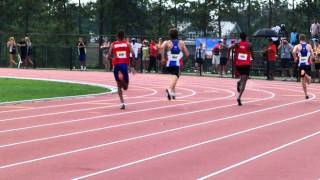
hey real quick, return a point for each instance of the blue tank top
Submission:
(174, 54)
(304, 55)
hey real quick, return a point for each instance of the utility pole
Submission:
(249, 18)
(101, 10)
(270, 13)
(79, 18)
(160, 18)
(219, 18)
(175, 15)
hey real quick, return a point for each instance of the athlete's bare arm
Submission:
(184, 49)
(311, 53)
(162, 50)
(110, 53)
(294, 52)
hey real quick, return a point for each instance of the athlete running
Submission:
(120, 51)
(303, 53)
(243, 57)
(172, 52)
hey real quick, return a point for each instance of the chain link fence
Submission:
(61, 52)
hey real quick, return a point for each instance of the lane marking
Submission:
(115, 114)
(119, 125)
(89, 109)
(71, 104)
(143, 136)
(258, 156)
(193, 146)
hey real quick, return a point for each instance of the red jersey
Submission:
(243, 54)
(272, 52)
(153, 50)
(120, 51)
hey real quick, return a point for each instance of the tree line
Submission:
(59, 19)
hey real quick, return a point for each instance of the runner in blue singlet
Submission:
(172, 52)
(303, 53)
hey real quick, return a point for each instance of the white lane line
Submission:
(144, 136)
(88, 109)
(115, 114)
(71, 104)
(120, 125)
(259, 155)
(193, 146)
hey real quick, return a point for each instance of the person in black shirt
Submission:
(82, 54)
(23, 52)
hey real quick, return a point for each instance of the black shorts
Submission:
(174, 70)
(223, 61)
(286, 63)
(317, 66)
(199, 60)
(243, 70)
(307, 70)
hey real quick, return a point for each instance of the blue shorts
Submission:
(82, 57)
(123, 68)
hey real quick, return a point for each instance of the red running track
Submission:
(201, 135)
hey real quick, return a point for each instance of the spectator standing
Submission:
(314, 29)
(283, 33)
(294, 37)
(159, 44)
(12, 48)
(199, 57)
(82, 54)
(23, 51)
(146, 54)
(224, 56)
(105, 49)
(271, 59)
(317, 60)
(216, 57)
(136, 49)
(29, 52)
(153, 56)
(285, 50)
(276, 40)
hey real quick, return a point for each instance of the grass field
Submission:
(21, 89)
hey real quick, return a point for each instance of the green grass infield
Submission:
(24, 89)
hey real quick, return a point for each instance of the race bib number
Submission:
(242, 57)
(175, 56)
(122, 54)
(303, 59)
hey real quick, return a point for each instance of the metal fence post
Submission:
(70, 59)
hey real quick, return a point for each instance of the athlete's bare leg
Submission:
(242, 86)
(306, 79)
(171, 91)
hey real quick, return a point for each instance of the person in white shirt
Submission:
(136, 49)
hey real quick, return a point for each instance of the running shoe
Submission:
(168, 94)
(122, 106)
(173, 95)
(307, 97)
(239, 102)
